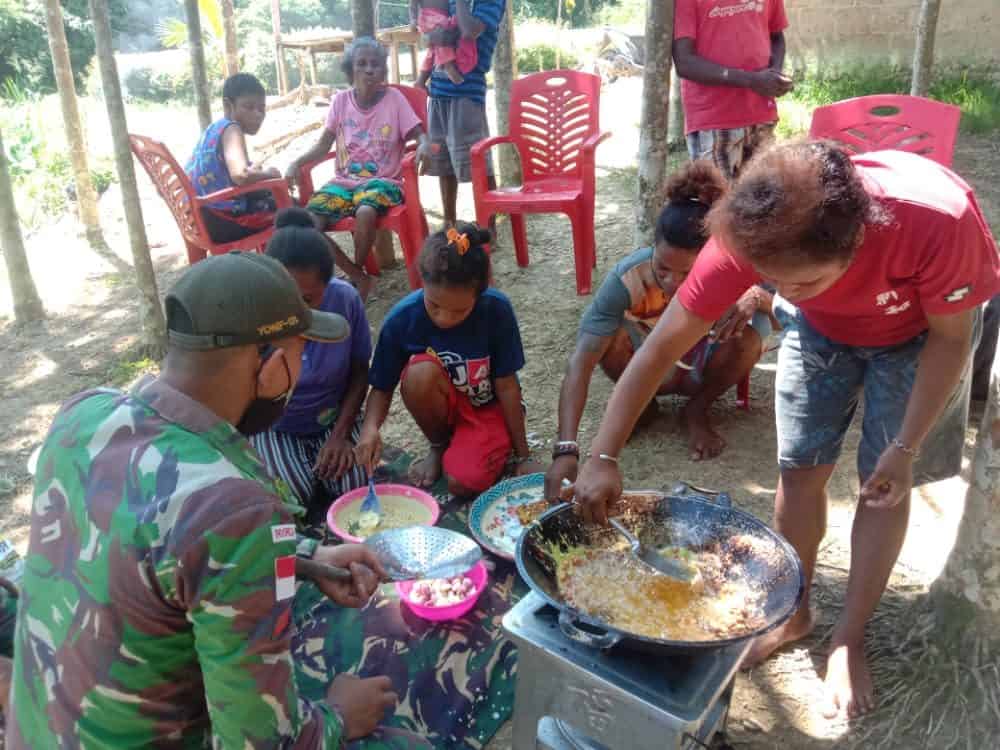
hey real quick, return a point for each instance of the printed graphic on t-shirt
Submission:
(470, 376)
(727, 11)
(361, 150)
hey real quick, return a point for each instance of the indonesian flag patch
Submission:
(284, 578)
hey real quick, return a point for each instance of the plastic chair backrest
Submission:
(890, 121)
(551, 114)
(417, 99)
(171, 183)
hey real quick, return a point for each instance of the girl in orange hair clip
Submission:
(454, 350)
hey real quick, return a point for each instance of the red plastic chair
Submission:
(407, 220)
(175, 188)
(890, 121)
(554, 124)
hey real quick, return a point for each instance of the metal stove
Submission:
(575, 697)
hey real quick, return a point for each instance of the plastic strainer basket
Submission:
(424, 552)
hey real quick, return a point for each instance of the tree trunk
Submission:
(279, 54)
(363, 18)
(199, 73)
(966, 596)
(27, 303)
(229, 30)
(923, 53)
(504, 75)
(154, 329)
(654, 122)
(86, 195)
(676, 126)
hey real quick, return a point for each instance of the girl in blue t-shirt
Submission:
(454, 350)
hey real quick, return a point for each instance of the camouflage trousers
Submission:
(455, 680)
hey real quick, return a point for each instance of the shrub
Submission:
(535, 57)
(24, 47)
(166, 77)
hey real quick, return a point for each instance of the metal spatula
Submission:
(665, 565)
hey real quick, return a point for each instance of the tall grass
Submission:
(974, 91)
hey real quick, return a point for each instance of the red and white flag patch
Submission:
(284, 578)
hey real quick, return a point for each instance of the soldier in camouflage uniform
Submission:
(156, 601)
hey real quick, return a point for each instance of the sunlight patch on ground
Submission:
(790, 679)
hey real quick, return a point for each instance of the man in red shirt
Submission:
(881, 263)
(729, 55)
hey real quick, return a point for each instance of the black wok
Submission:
(685, 517)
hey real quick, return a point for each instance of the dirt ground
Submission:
(88, 338)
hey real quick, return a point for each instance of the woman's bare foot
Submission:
(703, 440)
(795, 629)
(848, 691)
(427, 470)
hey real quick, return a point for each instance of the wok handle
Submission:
(684, 489)
(569, 628)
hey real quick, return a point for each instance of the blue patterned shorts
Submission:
(820, 383)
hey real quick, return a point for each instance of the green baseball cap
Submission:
(243, 298)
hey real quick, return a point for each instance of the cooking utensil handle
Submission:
(603, 640)
(684, 489)
(314, 571)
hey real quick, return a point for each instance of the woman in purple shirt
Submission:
(312, 447)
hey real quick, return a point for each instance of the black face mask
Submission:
(264, 412)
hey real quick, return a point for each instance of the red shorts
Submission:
(480, 444)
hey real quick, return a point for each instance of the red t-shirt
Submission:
(937, 256)
(735, 34)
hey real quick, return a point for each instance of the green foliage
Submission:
(975, 92)
(168, 79)
(24, 49)
(576, 13)
(535, 57)
(128, 369)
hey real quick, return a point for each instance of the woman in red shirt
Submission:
(880, 262)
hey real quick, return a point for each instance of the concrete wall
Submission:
(836, 31)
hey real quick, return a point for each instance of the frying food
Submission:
(528, 512)
(606, 582)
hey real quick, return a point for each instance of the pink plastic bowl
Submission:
(479, 578)
(358, 496)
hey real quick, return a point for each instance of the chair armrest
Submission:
(479, 148)
(304, 176)
(589, 165)
(591, 143)
(477, 159)
(276, 186)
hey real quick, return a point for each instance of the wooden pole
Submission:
(199, 75)
(86, 195)
(654, 122)
(504, 75)
(923, 52)
(676, 126)
(151, 321)
(232, 45)
(279, 53)
(27, 304)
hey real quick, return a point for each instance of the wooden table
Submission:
(338, 41)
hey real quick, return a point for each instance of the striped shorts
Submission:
(731, 148)
(291, 458)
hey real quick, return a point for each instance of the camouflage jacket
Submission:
(156, 601)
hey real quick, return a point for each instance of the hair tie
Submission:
(459, 240)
